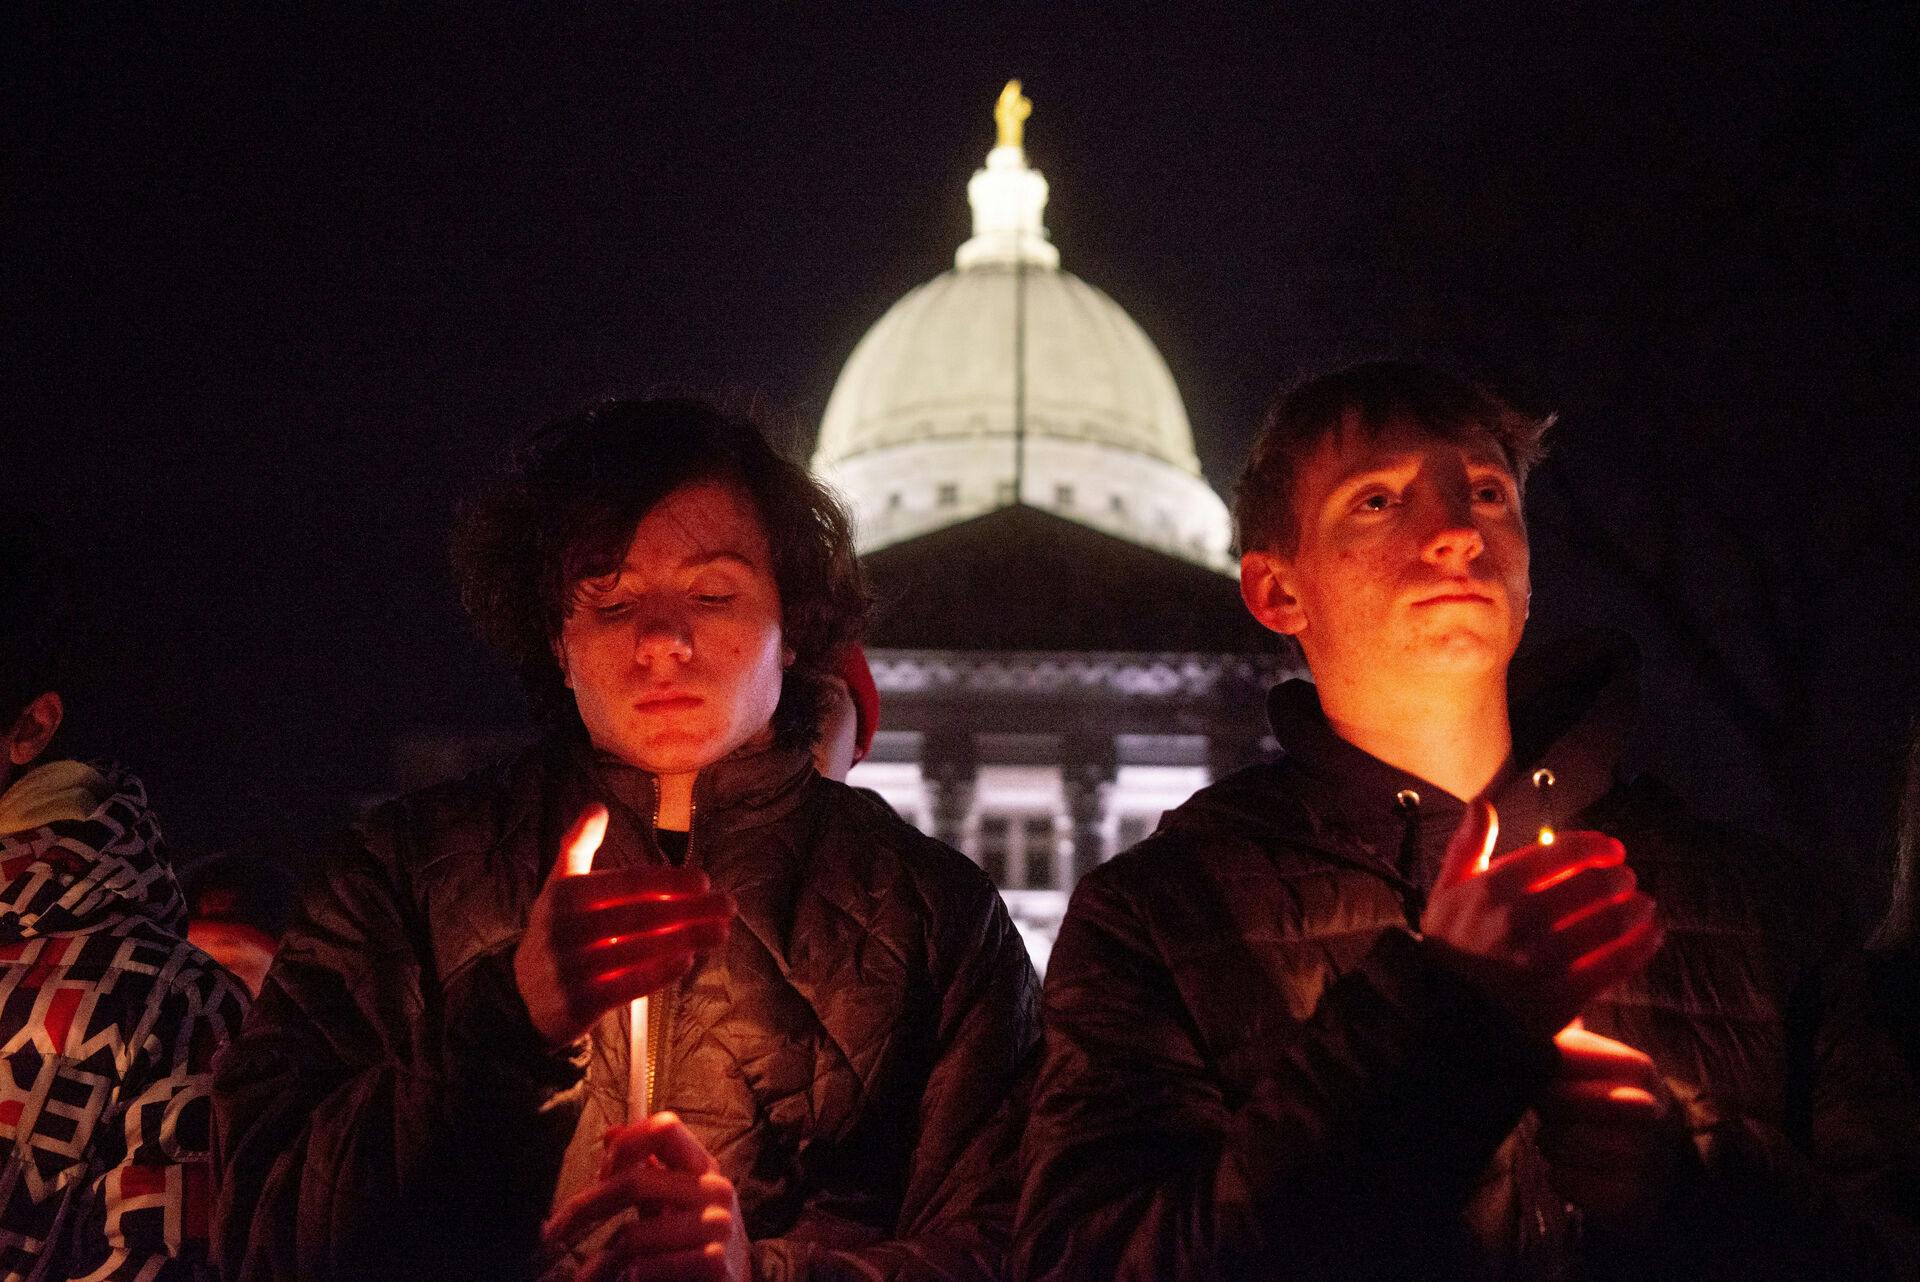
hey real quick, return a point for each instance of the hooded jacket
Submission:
(1256, 1068)
(109, 1020)
(853, 1057)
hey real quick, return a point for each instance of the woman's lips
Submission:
(667, 702)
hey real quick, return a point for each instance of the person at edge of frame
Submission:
(110, 1018)
(1895, 945)
(237, 908)
(849, 717)
(840, 1018)
(1441, 991)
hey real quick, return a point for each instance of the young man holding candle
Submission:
(442, 1078)
(1400, 1003)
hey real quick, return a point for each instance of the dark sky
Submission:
(277, 287)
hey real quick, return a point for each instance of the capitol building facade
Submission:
(1059, 642)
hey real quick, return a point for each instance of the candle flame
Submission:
(579, 853)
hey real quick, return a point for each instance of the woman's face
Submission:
(675, 659)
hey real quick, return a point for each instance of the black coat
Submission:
(854, 1056)
(1255, 1067)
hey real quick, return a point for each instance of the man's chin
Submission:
(1460, 653)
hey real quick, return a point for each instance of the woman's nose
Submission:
(662, 634)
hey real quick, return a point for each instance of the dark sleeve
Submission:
(1369, 1125)
(374, 1122)
(1831, 1194)
(956, 1216)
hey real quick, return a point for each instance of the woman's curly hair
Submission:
(564, 508)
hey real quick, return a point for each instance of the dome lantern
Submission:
(1008, 199)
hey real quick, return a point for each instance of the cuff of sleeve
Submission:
(1465, 1036)
(492, 1046)
(1420, 1073)
(1479, 1060)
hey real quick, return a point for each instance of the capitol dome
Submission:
(1008, 381)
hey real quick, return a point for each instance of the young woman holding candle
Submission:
(447, 1073)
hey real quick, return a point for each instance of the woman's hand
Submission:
(596, 940)
(687, 1218)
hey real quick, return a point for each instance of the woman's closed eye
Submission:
(713, 590)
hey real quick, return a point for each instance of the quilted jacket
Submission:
(854, 1057)
(1254, 1067)
(109, 1021)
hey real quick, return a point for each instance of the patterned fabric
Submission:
(109, 1022)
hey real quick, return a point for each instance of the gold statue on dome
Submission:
(1010, 113)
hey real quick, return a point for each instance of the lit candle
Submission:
(1543, 782)
(1485, 861)
(592, 830)
(579, 857)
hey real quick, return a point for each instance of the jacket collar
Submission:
(1571, 704)
(743, 791)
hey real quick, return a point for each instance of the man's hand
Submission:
(1545, 929)
(687, 1223)
(1610, 1129)
(595, 940)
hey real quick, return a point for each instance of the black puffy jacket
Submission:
(854, 1056)
(1255, 1067)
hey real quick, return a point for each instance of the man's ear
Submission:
(1267, 586)
(33, 729)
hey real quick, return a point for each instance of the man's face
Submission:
(1412, 559)
(675, 660)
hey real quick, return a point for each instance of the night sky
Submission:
(276, 289)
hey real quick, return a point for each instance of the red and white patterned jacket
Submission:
(109, 1021)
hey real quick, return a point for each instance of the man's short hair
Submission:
(564, 510)
(36, 614)
(1372, 397)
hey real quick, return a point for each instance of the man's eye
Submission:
(612, 609)
(1376, 502)
(1491, 494)
(714, 598)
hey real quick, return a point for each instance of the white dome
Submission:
(1008, 380)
